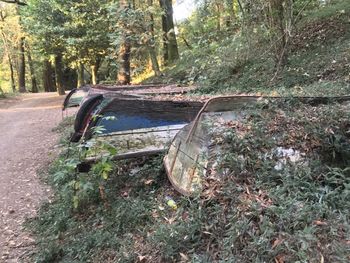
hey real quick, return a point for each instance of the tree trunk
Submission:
(59, 74)
(21, 67)
(154, 60)
(124, 75)
(32, 72)
(94, 75)
(48, 77)
(80, 71)
(94, 71)
(277, 25)
(151, 44)
(171, 52)
(165, 38)
(12, 75)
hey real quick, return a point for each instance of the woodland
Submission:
(239, 46)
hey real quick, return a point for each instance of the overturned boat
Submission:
(196, 150)
(77, 96)
(136, 126)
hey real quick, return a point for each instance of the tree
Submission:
(6, 40)
(124, 74)
(21, 72)
(151, 41)
(171, 52)
(87, 40)
(48, 76)
(43, 21)
(279, 30)
(32, 70)
(59, 74)
(21, 58)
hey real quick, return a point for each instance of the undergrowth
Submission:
(318, 60)
(249, 211)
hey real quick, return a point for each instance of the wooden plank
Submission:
(126, 156)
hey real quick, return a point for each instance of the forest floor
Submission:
(27, 144)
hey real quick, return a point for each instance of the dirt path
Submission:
(26, 145)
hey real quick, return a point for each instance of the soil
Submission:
(27, 145)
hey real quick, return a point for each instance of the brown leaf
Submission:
(277, 242)
(319, 223)
(184, 257)
(148, 182)
(185, 216)
(280, 258)
(142, 258)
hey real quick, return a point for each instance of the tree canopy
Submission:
(71, 43)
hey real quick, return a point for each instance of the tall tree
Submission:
(48, 77)
(87, 33)
(277, 25)
(21, 71)
(32, 70)
(44, 21)
(21, 80)
(7, 47)
(124, 74)
(59, 74)
(80, 73)
(151, 41)
(171, 52)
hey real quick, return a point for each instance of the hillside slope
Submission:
(318, 61)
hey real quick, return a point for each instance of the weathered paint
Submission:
(151, 140)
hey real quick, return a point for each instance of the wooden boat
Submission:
(77, 96)
(194, 150)
(134, 125)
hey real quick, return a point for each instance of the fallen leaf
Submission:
(277, 242)
(184, 257)
(280, 259)
(148, 182)
(322, 259)
(319, 223)
(141, 258)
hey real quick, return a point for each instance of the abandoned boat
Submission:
(77, 96)
(196, 150)
(134, 125)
